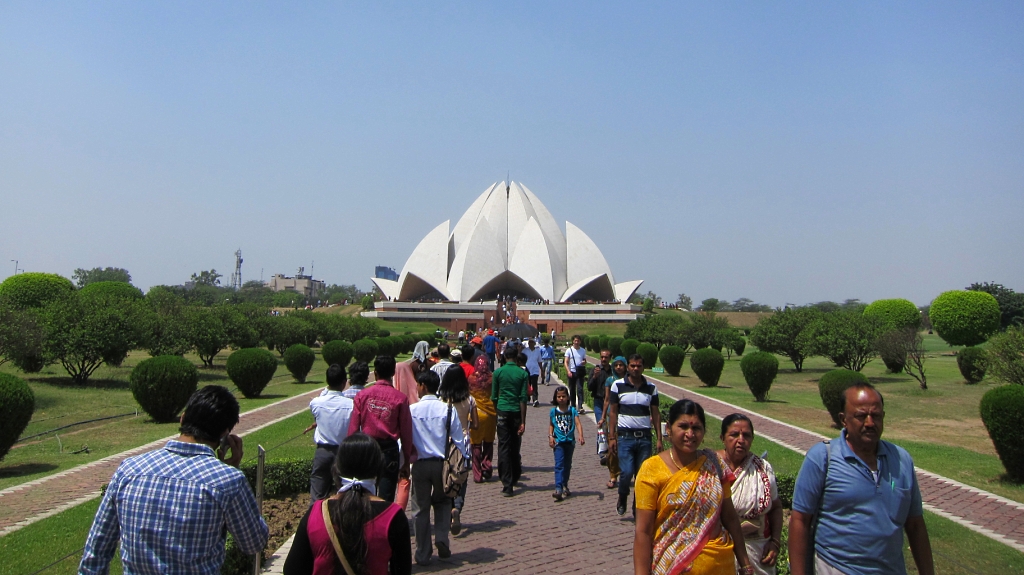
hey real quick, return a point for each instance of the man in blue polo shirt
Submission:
(870, 499)
(490, 346)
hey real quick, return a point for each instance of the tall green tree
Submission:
(84, 332)
(1011, 303)
(780, 333)
(84, 277)
(207, 278)
(848, 339)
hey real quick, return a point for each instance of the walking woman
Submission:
(685, 521)
(755, 494)
(482, 438)
(358, 528)
(455, 392)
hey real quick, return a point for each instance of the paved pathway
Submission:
(995, 517)
(35, 500)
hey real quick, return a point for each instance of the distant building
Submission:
(300, 284)
(384, 272)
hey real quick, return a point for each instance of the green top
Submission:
(508, 387)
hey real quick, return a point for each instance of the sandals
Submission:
(612, 484)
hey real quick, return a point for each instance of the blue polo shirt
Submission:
(489, 341)
(860, 531)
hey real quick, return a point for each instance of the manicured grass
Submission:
(940, 426)
(36, 546)
(59, 402)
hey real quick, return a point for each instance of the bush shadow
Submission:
(211, 376)
(26, 469)
(92, 383)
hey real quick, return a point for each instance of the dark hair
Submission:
(358, 457)
(358, 373)
(511, 353)
(468, 351)
(430, 380)
(554, 396)
(384, 366)
(635, 357)
(575, 337)
(685, 407)
(858, 385)
(733, 418)
(335, 376)
(444, 350)
(454, 385)
(210, 412)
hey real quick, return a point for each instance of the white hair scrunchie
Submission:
(367, 485)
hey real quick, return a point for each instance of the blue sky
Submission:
(786, 153)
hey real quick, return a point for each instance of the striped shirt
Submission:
(635, 403)
(169, 509)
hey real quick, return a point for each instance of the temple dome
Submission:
(506, 243)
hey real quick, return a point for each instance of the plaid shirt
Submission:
(169, 508)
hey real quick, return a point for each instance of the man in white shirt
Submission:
(532, 353)
(332, 411)
(430, 433)
(576, 367)
(444, 351)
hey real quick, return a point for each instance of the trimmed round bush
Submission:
(337, 352)
(963, 317)
(602, 342)
(397, 344)
(831, 387)
(739, 344)
(383, 333)
(672, 358)
(364, 349)
(251, 369)
(162, 385)
(893, 364)
(971, 361)
(649, 352)
(17, 402)
(628, 347)
(123, 290)
(707, 363)
(759, 369)
(615, 345)
(384, 346)
(896, 313)
(32, 289)
(1002, 410)
(299, 359)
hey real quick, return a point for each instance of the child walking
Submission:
(564, 430)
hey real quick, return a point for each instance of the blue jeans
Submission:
(633, 451)
(545, 366)
(598, 412)
(563, 463)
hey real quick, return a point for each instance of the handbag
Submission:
(334, 539)
(455, 470)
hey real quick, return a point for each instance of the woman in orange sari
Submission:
(481, 439)
(685, 521)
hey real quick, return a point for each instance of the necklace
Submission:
(671, 454)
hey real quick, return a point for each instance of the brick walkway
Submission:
(35, 500)
(993, 516)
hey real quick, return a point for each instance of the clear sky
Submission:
(786, 153)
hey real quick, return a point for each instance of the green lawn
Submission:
(940, 426)
(59, 403)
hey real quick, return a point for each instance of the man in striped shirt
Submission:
(633, 410)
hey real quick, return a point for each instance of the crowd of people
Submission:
(387, 454)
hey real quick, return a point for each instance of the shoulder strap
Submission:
(821, 498)
(334, 539)
(448, 423)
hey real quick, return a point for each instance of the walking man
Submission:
(547, 360)
(596, 381)
(843, 482)
(150, 494)
(431, 419)
(633, 403)
(444, 352)
(576, 366)
(332, 412)
(508, 392)
(382, 412)
(532, 353)
(490, 344)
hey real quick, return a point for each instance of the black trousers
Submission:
(321, 480)
(510, 443)
(387, 483)
(575, 385)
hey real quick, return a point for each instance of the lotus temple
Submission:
(507, 245)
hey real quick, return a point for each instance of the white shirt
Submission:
(576, 357)
(441, 367)
(429, 428)
(532, 360)
(351, 391)
(332, 412)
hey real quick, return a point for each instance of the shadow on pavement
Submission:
(485, 527)
(472, 557)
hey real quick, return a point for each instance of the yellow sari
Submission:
(487, 413)
(689, 537)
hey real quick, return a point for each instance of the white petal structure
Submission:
(507, 242)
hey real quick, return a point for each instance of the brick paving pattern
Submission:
(35, 500)
(991, 515)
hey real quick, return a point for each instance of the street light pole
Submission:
(15, 266)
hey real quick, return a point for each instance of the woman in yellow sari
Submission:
(481, 439)
(685, 521)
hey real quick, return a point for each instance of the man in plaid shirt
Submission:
(171, 508)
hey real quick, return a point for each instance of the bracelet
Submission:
(748, 570)
(777, 543)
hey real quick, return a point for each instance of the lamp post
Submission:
(15, 266)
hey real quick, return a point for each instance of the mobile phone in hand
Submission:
(222, 449)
